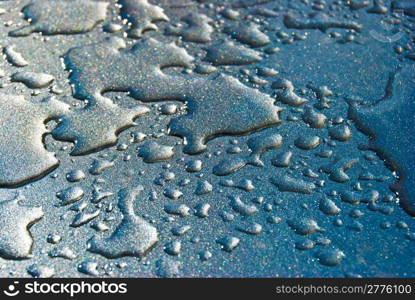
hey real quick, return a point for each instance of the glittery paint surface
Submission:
(197, 138)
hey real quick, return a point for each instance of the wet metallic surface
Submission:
(201, 138)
